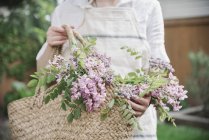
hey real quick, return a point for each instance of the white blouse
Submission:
(149, 14)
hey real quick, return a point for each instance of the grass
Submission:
(168, 132)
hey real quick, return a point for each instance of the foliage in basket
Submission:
(87, 83)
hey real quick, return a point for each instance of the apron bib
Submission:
(115, 27)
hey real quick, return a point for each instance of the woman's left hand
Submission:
(140, 104)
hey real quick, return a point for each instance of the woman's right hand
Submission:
(56, 36)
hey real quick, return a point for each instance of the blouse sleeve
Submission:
(46, 52)
(155, 33)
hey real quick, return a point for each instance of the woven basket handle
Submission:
(73, 38)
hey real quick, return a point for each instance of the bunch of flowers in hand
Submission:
(86, 82)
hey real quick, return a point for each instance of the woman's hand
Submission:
(56, 36)
(140, 104)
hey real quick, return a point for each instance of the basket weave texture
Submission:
(29, 121)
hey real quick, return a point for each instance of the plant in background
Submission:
(198, 83)
(11, 3)
(22, 34)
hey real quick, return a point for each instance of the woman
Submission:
(147, 18)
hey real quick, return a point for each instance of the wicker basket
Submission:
(31, 119)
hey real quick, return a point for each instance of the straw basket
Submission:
(31, 119)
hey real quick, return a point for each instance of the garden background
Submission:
(23, 26)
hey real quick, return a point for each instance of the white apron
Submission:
(114, 28)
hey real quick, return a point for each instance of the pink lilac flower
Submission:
(92, 89)
(73, 61)
(98, 63)
(157, 63)
(128, 90)
(170, 94)
(58, 61)
(62, 66)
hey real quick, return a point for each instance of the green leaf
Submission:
(124, 47)
(78, 101)
(125, 112)
(123, 107)
(37, 73)
(82, 55)
(137, 57)
(103, 116)
(134, 123)
(138, 70)
(42, 81)
(34, 76)
(111, 103)
(54, 94)
(61, 86)
(63, 106)
(82, 64)
(77, 113)
(134, 53)
(106, 110)
(92, 39)
(69, 81)
(50, 78)
(131, 121)
(66, 93)
(132, 74)
(54, 69)
(129, 50)
(32, 83)
(71, 105)
(128, 116)
(47, 99)
(70, 117)
(129, 107)
(83, 107)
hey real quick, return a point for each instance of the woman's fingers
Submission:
(57, 43)
(137, 107)
(142, 101)
(70, 26)
(138, 114)
(59, 38)
(58, 29)
(56, 40)
(56, 36)
(139, 104)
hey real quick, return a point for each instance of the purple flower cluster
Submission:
(73, 61)
(91, 86)
(129, 90)
(170, 94)
(61, 65)
(158, 64)
(58, 62)
(92, 89)
(99, 64)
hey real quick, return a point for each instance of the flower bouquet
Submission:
(87, 84)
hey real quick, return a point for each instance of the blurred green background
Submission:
(23, 26)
